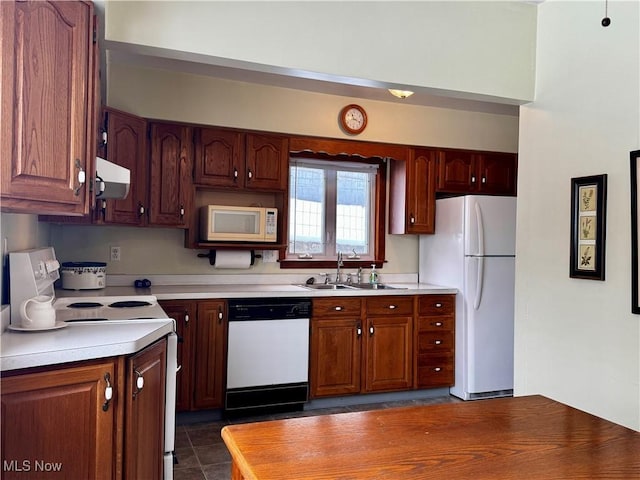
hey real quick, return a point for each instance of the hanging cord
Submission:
(606, 21)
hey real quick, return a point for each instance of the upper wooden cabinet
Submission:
(412, 193)
(234, 159)
(491, 173)
(126, 145)
(47, 112)
(170, 170)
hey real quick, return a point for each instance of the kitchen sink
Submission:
(345, 286)
(325, 286)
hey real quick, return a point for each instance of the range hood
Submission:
(112, 181)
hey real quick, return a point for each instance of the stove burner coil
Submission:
(84, 305)
(130, 304)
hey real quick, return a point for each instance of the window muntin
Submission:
(331, 209)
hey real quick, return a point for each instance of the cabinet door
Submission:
(46, 113)
(219, 158)
(335, 356)
(497, 173)
(421, 191)
(61, 419)
(389, 361)
(267, 160)
(144, 412)
(210, 354)
(127, 146)
(457, 172)
(184, 313)
(171, 187)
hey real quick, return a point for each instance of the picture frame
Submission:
(635, 211)
(588, 227)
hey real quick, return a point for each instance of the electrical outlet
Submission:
(115, 254)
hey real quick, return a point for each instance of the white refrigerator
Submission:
(473, 250)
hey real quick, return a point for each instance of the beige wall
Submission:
(162, 94)
(576, 340)
(437, 45)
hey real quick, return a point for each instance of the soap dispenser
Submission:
(373, 275)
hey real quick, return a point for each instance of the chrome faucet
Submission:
(339, 265)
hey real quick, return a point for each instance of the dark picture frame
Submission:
(588, 227)
(635, 180)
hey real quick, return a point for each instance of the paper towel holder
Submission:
(212, 256)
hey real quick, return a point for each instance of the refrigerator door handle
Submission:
(480, 229)
(479, 281)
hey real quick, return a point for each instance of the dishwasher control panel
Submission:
(240, 309)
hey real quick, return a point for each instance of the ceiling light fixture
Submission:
(400, 93)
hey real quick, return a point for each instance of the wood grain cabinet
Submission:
(126, 145)
(412, 201)
(144, 412)
(234, 159)
(170, 174)
(61, 418)
(435, 341)
(202, 339)
(361, 345)
(47, 108)
(465, 171)
(184, 313)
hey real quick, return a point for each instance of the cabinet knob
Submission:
(108, 392)
(140, 209)
(235, 174)
(412, 220)
(438, 324)
(186, 319)
(359, 330)
(437, 369)
(392, 307)
(438, 342)
(181, 211)
(438, 305)
(338, 308)
(82, 178)
(484, 180)
(473, 179)
(371, 331)
(139, 383)
(249, 174)
(220, 316)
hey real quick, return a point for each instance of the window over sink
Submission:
(335, 206)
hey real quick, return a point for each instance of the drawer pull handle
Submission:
(392, 307)
(438, 305)
(437, 369)
(438, 342)
(438, 324)
(108, 392)
(338, 308)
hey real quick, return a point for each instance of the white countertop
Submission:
(258, 290)
(79, 341)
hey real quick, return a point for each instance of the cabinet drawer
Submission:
(437, 304)
(337, 307)
(436, 324)
(434, 341)
(435, 370)
(390, 305)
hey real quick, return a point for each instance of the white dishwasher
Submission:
(267, 353)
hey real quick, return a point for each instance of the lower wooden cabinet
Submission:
(144, 413)
(202, 337)
(60, 420)
(361, 345)
(99, 419)
(435, 341)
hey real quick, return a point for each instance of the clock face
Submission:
(353, 118)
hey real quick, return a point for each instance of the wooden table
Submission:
(510, 438)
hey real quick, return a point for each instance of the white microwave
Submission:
(238, 224)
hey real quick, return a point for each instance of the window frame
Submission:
(379, 217)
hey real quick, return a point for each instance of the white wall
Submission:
(576, 340)
(439, 45)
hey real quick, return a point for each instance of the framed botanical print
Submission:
(588, 225)
(635, 211)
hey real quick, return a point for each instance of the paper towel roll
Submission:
(240, 259)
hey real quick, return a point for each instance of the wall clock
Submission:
(353, 119)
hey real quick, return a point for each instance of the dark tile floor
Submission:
(202, 455)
